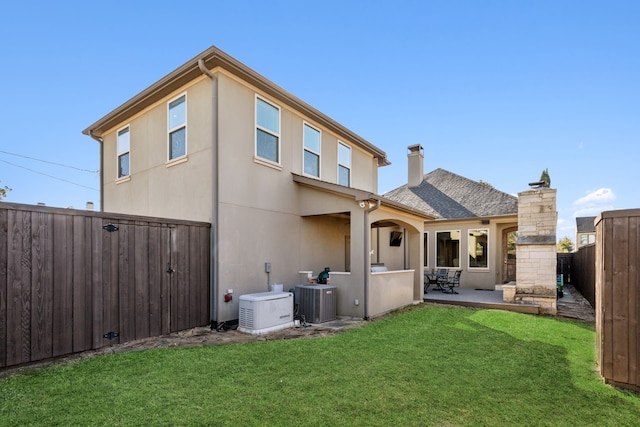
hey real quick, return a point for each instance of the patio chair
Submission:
(429, 279)
(452, 282)
(437, 279)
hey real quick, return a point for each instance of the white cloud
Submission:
(596, 198)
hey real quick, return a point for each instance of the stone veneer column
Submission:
(536, 249)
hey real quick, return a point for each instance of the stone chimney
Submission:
(536, 249)
(416, 165)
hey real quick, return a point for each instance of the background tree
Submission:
(544, 177)
(3, 192)
(565, 245)
(512, 240)
(485, 183)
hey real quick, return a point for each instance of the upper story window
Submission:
(123, 152)
(177, 127)
(311, 151)
(478, 248)
(344, 164)
(587, 239)
(267, 131)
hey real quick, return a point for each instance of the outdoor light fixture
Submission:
(366, 204)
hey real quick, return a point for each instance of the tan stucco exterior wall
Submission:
(180, 190)
(409, 255)
(474, 278)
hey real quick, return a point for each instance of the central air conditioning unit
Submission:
(265, 312)
(317, 303)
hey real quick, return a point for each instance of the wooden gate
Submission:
(72, 281)
(618, 297)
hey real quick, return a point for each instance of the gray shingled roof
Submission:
(445, 195)
(585, 224)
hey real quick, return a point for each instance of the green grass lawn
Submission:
(428, 366)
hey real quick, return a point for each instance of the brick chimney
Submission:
(416, 165)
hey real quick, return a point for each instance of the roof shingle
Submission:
(446, 195)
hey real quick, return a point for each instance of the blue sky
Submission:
(494, 90)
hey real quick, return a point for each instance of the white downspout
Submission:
(214, 276)
(100, 141)
(367, 257)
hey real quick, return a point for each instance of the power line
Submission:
(47, 175)
(49, 162)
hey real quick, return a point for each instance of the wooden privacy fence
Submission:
(583, 272)
(618, 297)
(73, 280)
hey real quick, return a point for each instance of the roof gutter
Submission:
(213, 244)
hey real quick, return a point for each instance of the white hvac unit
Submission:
(265, 312)
(317, 303)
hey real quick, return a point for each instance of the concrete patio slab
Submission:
(479, 298)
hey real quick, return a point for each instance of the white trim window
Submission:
(344, 164)
(124, 147)
(479, 248)
(425, 243)
(177, 127)
(311, 152)
(267, 131)
(448, 249)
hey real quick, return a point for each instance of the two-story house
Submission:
(281, 183)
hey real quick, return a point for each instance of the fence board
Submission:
(193, 276)
(65, 281)
(82, 290)
(634, 301)
(18, 289)
(154, 284)
(182, 281)
(166, 279)
(4, 244)
(42, 285)
(98, 327)
(620, 294)
(126, 277)
(141, 281)
(63, 285)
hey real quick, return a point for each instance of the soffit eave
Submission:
(214, 57)
(404, 208)
(341, 190)
(500, 218)
(358, 195)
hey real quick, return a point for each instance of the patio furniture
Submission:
(452, 282)
(437, 279)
